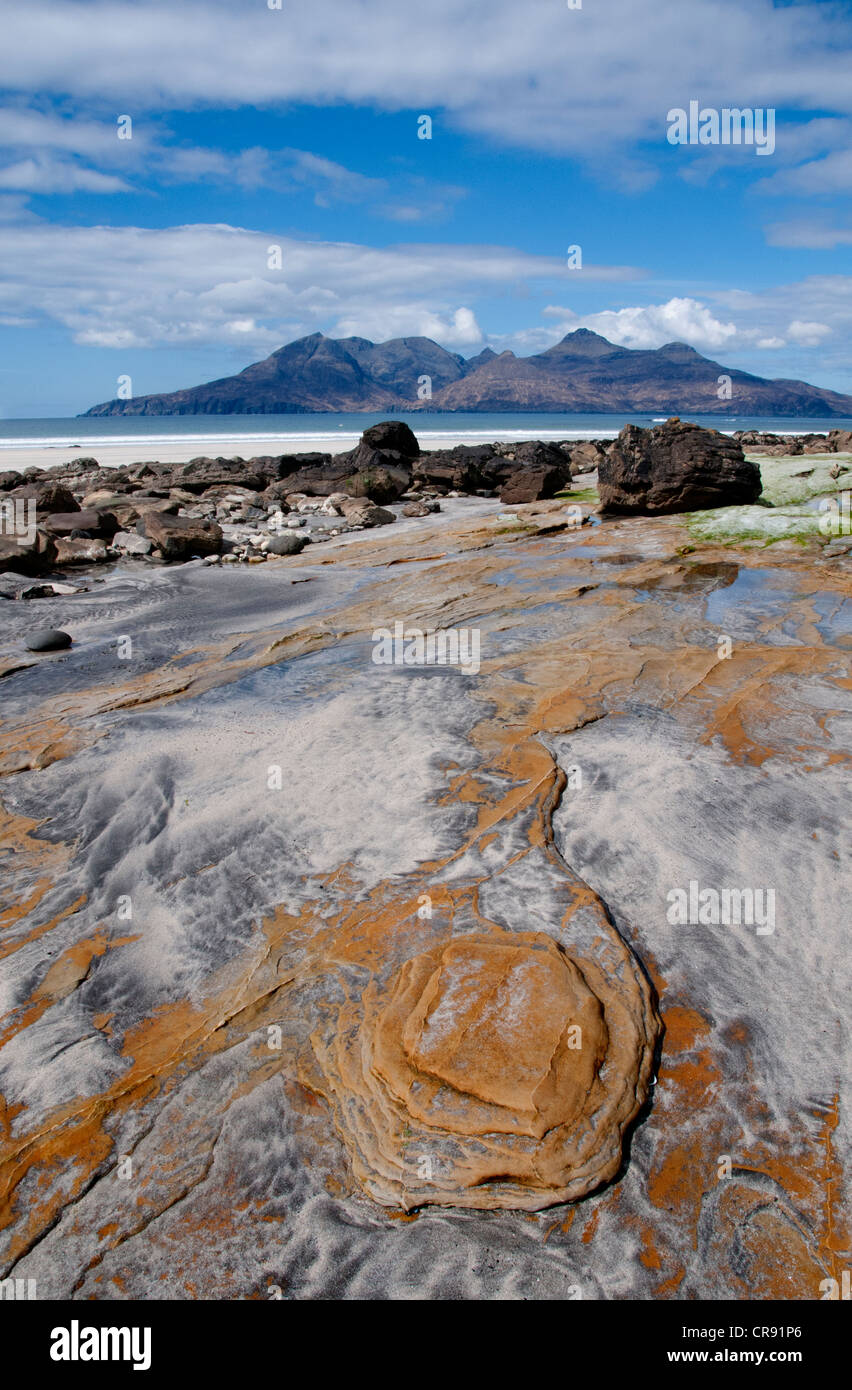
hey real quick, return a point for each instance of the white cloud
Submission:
(46, 175)
(810, 334)
(678, 320)
(580, 82)
(141, 287)
(808, 233)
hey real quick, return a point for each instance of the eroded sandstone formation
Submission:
(491, 1071)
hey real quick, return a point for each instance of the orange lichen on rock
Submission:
(491, 1071)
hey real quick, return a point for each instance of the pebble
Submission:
(49, 639)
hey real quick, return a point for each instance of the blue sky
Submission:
(254, 127)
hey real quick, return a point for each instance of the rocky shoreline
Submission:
(234, 510)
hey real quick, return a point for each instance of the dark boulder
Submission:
(675, 467)
(392, 434)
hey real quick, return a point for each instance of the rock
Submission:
(512, 1111)
(466, 467)
(294, 522)
(675, 467)
(71, 550)
(180, 537)
(202, 473)
(49, 497)
(392, 434)
(333, 504)
(379, 483)
(92, 521)
(49, 639)
(416, 509)
(363, 513)
(533, 484)
(129, 543)
(840, 441)
(127, 508)
(9, 478)
(285, 545)
(30, 555)
(11, 584)
(584, 455)
(53, 589)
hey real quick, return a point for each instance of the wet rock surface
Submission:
(241, 845)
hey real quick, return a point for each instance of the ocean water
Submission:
(324, 431)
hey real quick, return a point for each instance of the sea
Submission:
(265, 434)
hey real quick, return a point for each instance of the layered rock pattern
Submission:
(491, 1072)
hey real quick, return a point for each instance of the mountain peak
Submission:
(581, 343)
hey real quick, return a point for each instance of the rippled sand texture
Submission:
(248, 847)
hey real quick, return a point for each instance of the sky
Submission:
(154, 154)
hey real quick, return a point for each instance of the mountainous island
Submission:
(584, 373)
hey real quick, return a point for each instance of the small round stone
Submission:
(49, 639)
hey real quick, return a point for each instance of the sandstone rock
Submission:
(675, 467)
(533, 484)
(180, 537)
(71, 550)
(416, 509)
(496, 1056)
(840, 441)
(49, 639)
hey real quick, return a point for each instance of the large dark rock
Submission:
(465, 468)
(392, 434)
(9, 479)
(379, 478)
(180, 537)
(675, 467)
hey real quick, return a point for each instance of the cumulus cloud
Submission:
(678, 320)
